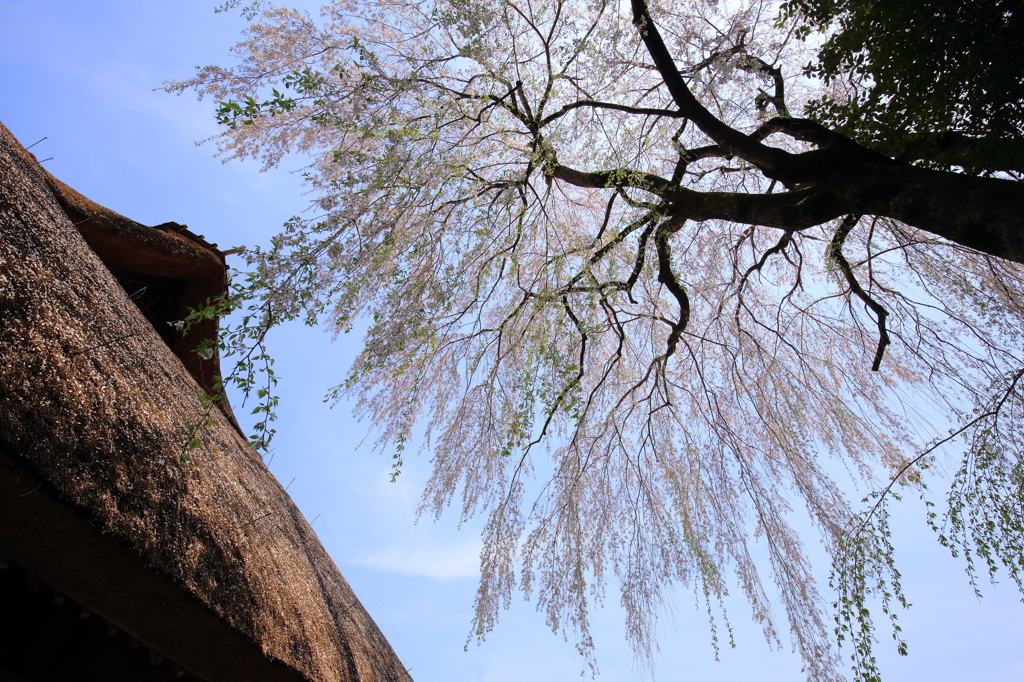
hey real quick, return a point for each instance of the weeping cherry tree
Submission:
(642, 315)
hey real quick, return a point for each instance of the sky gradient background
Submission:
(83, 76)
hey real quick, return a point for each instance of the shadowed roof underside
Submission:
(209, 562)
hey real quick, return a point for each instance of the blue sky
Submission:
(83, 76)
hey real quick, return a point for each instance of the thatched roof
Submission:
(167, 252)
(208, 562)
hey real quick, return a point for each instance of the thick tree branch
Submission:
(770, 161)
(794, 210)
(986, 214)
(817, 134)
(620, 177)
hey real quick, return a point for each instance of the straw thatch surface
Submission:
(95, 404)
(166, 251)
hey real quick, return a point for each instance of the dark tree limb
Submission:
(593, 104)
(777, 100)
(835, 251)
(796, 210)
(784, 241)
(667, 277)
(767, 159)
(985, 214)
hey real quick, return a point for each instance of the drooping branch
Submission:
(835, 251)
(784, 241)
(667, 277)
(778, 99)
